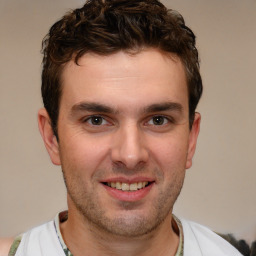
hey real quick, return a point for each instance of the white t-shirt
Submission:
(201, 241)
(198, 241)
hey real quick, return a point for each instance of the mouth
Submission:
(124, 186)
(128, 191)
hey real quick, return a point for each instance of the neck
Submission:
(81, 236)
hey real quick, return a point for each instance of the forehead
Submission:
(147, 77)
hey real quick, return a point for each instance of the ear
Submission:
(50, 140)
(193, 139)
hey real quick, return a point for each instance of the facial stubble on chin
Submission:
(128, 223)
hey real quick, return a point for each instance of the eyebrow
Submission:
(158, 107)
(101, 108)
(92, 107)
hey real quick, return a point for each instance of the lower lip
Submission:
(130, 196)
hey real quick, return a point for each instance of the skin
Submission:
(5, 245)
(122, 118)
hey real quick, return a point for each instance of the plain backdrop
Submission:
(219, 189)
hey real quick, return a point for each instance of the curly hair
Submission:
(105, 27)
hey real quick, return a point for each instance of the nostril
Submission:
(128, 150)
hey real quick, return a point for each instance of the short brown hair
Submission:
(107, 26)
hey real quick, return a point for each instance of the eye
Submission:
(158, 120)
(96, 120)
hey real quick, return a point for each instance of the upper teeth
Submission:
(126, 186)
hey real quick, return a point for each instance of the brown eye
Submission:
(159, 120)
(96, 120)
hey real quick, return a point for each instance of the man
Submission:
(120, 86)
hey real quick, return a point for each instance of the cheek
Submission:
(170, 153)
(82, 154)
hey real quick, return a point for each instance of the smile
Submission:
(126, 186)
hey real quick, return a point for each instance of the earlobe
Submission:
(50, 140)
(193, 139)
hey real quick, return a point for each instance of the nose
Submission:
(129, 148)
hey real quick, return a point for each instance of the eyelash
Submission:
(160, 118)
(104, 121)
(88, 119)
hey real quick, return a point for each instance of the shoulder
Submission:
(200, 238)
(43, 239)
(9, 246)
(5, 245)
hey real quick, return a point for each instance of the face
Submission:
(124, 139)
